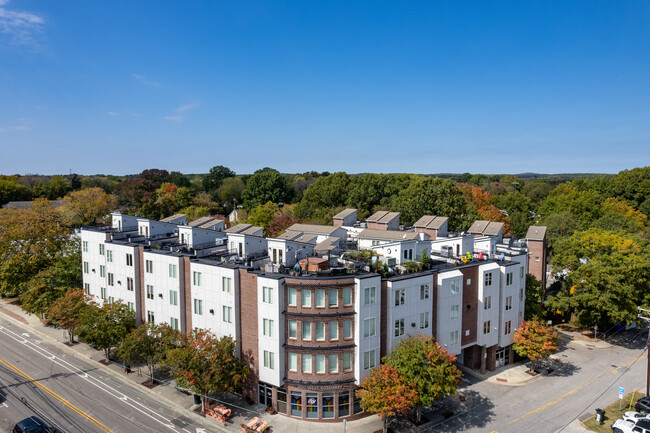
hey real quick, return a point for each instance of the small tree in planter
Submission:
(148, 344)
(535, 340)
(67, 310)
(104, 328)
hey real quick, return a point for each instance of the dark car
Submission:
(642, 405)
(32, 425)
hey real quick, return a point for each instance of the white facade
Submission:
(245, 245)
(270, 331)
(288, 253)
(163, 289)
(449, 314)
(367, 302)
(453, 247)
(489, 284)
(195, 237)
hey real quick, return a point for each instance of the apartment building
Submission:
(312, 336)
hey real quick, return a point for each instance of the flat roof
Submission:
(313, 228)
(392, 235)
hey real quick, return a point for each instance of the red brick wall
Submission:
(248, 325)
(470, 299)
(537, 268)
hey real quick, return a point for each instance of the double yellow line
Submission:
(55, 395)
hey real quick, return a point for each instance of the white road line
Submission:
(92, 380)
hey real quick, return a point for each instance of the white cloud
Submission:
(187, 107)
(21, 124)
(174, 118)
(112, 113)
(143, 80)
(18, 27)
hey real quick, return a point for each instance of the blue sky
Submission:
(369, 86)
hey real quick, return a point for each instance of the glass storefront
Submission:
(344, 404)
(282, 400)
(296, 404)
(328, 405)
(312, 405)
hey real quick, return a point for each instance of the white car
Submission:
(641, 425)
(631, 415)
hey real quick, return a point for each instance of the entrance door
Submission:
(265, 394)
(503, 357)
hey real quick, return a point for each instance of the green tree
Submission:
(429, 368)
(431, 196)
(386, 393)
(148, 344)
(213, 180)
(535, 340)
(12, 191)
(607, 276)
(534, 298)
(66, 311)
(266, 185)
(205, 363)
(55, 189)
(88, 206)
(230, 192)
(104, 328)
(30, 241)
(263, 214)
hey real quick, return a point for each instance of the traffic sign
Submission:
(621, 390)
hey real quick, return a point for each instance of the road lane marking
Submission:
(143, 409)
(560, 398)
(55, 395)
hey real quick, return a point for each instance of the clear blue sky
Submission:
(367, 86)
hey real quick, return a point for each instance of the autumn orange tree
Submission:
(204, 363)
(67, 311)
(87, 206)
(535, 340)
(386, 393)
(422, 362)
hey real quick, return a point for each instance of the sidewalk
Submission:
(168, 394)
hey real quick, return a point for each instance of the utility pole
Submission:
(645, 315)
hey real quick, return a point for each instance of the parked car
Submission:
(32, 425)
(633, 416)
(642, 405)
(641, 425)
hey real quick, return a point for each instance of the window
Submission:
(149, 291)
(293, 329)
(306, 363)
(87, 288)
(347, 361)
(173, 271)
(399, 327)
(320, 298)
(226, 284)
(537, 258)
(369, 359)
(227, 314)
(509, 279)
(509, 303)
(320, 331)
(487, 302)
(269, 360)
(521, 294)
(486, 327)
(130, 306)
(332, 298)
(369, 327)
(424, 292)
(102, 271)
(306, 330)
(399, 297)
(267, 327)
(109, 256)
(424, 320)
(369, 295)
(332, 363)
(347, 329)
(454, 312)
(306, 298)
(196, 278)
(455, 286)
(198, 307)
(129, 284)
(293, 362)
(488, 279)
(267, 295)
(150, 317)
(508, 327)
(101, 249)
(84, 245)
(296, 403)
(347, 296)
(453, 337)
(110, 279)
(521, 272)
(173, 297)
(332, 330)
(292, 295)
(312, 404)
(148, 266)
(328, 405)
(173, 323)
(129, 259)
(344, 403)
(85, 267)
(102, 292)
(111, 300)
(320, 364)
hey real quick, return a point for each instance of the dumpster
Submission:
(197, 399)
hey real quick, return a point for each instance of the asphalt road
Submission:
(583, 380)
(39, 379)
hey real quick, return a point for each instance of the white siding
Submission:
(447, 300)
